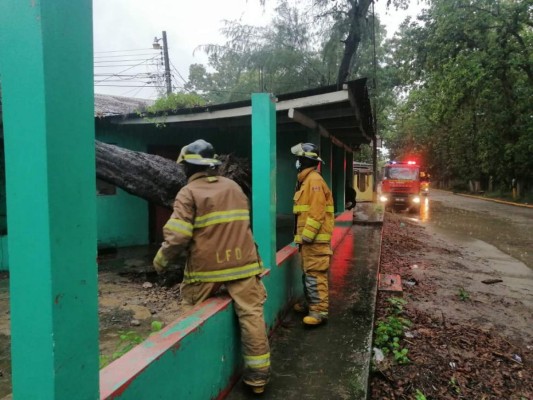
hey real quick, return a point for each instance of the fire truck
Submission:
(401, 186)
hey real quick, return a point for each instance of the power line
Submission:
(132, 86)
(118, 51)
(148, 74)
(127, 69)
(125, 60)
(126, 55)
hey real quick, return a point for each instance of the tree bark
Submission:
(155, 178)
(357, 22)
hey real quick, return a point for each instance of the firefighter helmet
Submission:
(307, 150)
(198, 152)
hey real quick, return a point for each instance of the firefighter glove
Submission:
(160, 263)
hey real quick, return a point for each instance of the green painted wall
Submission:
(338, 177)
(122, 218)
(199, 368)
(286, 182)
(209, 344)
(3, 209)
(4, 260)
(46, 66)
(264, 176)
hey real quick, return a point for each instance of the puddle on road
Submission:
(509, 238)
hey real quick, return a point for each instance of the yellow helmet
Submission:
(307, 150)
(198, 152)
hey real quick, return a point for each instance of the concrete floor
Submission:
(330, 361)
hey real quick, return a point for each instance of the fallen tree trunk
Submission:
(155, 178)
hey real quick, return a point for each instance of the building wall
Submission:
(122, 218)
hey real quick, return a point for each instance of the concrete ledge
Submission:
(204, 339)
(167, 356)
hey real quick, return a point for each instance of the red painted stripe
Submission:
(346, 216)
(285, 253)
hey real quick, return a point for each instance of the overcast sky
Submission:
(125, 29)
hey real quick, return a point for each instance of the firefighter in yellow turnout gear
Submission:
(211, 225)
(313, 209)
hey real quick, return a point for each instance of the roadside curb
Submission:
(510, 203)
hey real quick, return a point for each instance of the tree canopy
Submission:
(302, 47)
(465, 67)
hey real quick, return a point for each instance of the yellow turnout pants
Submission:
(248, 295)
(315, 264)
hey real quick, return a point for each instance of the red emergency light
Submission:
(411, 162)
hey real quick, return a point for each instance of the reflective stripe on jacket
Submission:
(211, 223)
(313, 207)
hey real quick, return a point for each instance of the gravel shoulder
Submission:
(467, 339)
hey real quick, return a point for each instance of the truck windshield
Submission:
(403, 173)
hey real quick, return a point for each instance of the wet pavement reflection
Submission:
(495, 227)
(329, 361)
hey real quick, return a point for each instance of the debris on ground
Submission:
(444, 355)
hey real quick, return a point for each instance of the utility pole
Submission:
(167, 64)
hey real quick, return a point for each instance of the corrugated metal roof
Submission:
(109, 105)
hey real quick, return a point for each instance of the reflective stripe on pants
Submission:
(248, 295)
(315, 264)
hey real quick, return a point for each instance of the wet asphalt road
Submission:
(508, 228)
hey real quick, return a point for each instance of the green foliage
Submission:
(467, 69)
(104, 361)
(419, 395)
(156, 326)
(397, 304)
(171, 103)
(463, 294)
(400, 356)
(127, 341)
(455, 386)
(387, 337)
(176, 101)
(300, 48)
(389, 331)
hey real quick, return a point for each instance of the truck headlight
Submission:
(383, 199)
(416, 200)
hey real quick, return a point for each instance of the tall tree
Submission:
(467, 71)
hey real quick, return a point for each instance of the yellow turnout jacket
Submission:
(313, 207)
(211, 223)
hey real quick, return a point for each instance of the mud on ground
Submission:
(468, 339)
(131, 296)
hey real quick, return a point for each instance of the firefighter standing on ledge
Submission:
(211, 224)
(313, 209)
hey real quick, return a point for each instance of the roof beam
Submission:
(312, 124)
(357, 111)
(206, 115)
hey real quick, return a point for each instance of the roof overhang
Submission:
(344, 116)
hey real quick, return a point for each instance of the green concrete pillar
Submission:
(47, 87)
(339, 176)
(325, 154)
(264, 176)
